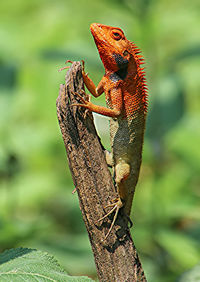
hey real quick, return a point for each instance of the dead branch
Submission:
(116, 257)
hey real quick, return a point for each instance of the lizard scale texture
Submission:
(125, 90)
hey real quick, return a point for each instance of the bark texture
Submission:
(116, 257)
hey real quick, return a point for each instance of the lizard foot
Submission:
(83, 65)
(116, 206)
(85, 101)
(67, 67)
(74, 191)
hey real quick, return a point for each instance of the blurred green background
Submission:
(37, 208)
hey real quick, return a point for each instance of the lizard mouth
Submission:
(110, 50)
(98, 34)
(105, 48)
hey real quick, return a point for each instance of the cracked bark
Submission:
(116, 258)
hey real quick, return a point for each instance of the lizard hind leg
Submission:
(122, 171)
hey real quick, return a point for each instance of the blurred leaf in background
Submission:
(37, 207)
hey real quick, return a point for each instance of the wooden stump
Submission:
(116, 257)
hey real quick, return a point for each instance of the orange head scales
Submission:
(119, 55)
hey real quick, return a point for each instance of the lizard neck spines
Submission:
(139, 60)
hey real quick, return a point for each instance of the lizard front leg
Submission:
(116, 109)
(96, 108)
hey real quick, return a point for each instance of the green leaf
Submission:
(23, 264)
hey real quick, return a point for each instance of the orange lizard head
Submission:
(114, 49)
(120, 57)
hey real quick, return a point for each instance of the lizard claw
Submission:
(86, 102)
(83, 65)
(74, 191)
(116, 208)
(67, 67)
(63, 68)
(111, 205)
(69, 61)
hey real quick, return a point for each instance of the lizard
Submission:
(125, 89)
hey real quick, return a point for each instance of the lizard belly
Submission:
(127, 140)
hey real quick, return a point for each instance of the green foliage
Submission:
(193, 275)
(23, 264)
(37, 207)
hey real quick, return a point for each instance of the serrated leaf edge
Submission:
(27, 273)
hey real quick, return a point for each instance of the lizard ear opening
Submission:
(125, 53)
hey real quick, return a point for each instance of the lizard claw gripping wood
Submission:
(125, 89)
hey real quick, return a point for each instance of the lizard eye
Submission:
(116, 34)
